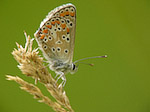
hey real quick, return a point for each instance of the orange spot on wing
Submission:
(45, 31)
(68, 30)
(42, 37)
(62, 14)
(72, 14)
(53, 22)
(49, 26)
(67, 13)
(58, 22)
(63, 26)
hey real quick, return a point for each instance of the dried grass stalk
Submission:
(35, 91)
(31, 64)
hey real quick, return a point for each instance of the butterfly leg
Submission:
(64, 80)
(56, 75)
(60, 75)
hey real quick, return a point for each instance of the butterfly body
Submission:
(61, 67)
(56, 39)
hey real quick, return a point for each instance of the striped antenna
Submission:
(79, 61)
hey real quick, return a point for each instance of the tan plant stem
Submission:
(31, 64)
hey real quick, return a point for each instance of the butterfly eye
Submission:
(73, 67)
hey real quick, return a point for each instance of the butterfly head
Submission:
(74, 68)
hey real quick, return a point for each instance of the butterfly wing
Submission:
(56, 35)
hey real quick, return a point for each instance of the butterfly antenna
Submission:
(91, 64)
(78, 61)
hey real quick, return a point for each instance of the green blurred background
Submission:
(118, 28)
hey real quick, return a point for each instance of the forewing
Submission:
(56, 35)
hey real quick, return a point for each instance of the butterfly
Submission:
(56, 39)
